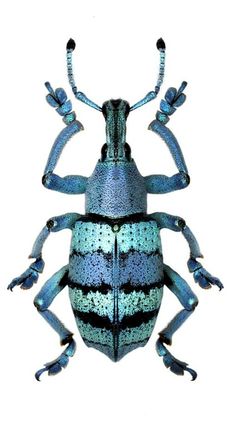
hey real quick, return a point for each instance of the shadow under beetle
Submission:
(116, 271)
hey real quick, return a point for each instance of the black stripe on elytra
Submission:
(100, 219)
(137, 319)
(103, 288)
(128, 287)
(94, 319)
(106, 288)
(133, 321)
(108, 345)
(107, 256)
(135, 342)
(124, 256)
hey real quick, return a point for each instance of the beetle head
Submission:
(116, 111)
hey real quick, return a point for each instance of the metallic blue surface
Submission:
(59, 144)
(173, 145)
(42, 301)
(115, 279)
(116, 271)
(188, 299)
(103, 192)
(193, 244)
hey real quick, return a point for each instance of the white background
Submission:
(116, 57)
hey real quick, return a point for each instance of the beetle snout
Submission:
(115, 112)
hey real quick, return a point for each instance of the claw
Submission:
(29, 277)
(175, 365)
(11, 285)
(38, 373)
(202, 276)
(192, 372)
(15, 282)
(54, 367)
(205, 279)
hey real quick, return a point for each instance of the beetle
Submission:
(116, 271)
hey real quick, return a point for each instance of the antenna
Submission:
(153, 94)
(79, 95)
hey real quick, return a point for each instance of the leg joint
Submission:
(185, 179)
(192, 303)
(47, 179)
(40, 303)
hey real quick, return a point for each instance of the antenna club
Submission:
(71, 45)
(160, 44)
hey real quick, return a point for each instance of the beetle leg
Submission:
(73, 184)
(42, 301)
(188, 299)
(54, 224)
(160, 184)
(177, 224)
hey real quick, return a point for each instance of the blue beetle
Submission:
(116, 271)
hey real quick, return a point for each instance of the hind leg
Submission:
(42, 301)
(188, 299)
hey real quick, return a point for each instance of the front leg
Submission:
(55, 224)
(73, 184)
(200, 274)
(160, 184)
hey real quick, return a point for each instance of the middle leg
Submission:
(188, 299)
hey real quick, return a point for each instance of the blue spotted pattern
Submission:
(115, 278)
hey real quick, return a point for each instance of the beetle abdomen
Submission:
(115, 280)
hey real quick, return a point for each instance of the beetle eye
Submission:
(103, 152)
(104, 111)
(127, 110)
(127, 152)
